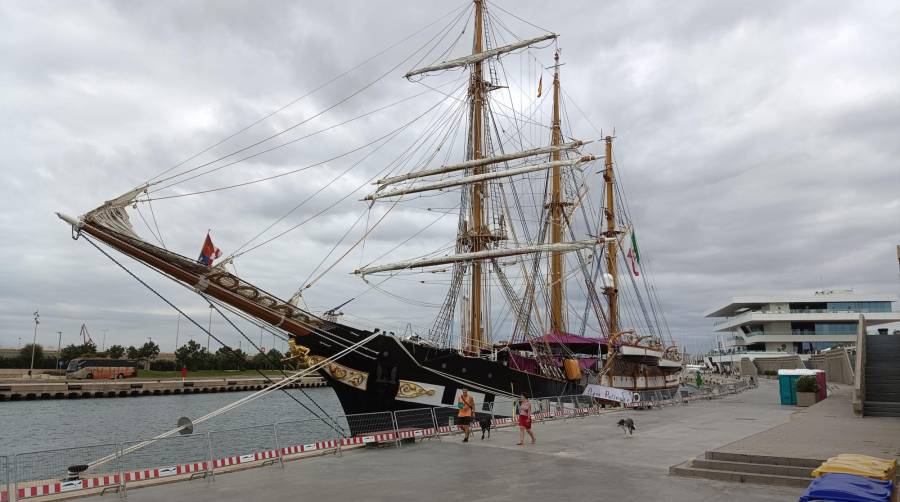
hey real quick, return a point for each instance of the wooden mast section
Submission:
(611, 290)
(557, 265)
(476, 228)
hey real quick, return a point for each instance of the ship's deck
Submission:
(577, 459)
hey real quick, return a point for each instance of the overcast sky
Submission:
(758, 143)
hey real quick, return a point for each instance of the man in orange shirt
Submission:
(466, 405)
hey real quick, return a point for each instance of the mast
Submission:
(476, 218)
(612, 290)
(557, 265)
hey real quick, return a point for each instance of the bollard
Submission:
(277, 448)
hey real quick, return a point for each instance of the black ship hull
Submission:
(388, 374)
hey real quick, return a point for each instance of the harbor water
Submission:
(29, 426)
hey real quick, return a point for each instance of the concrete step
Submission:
(762, 459)
(778, 470)
(888, 371)
(884, 397)
(881, 409)
(687, 470)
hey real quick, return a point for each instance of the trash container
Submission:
(787, 387)
(859, 465)
(787, 384)
(823, 384)
(847, 488)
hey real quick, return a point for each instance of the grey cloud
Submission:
(756, 143)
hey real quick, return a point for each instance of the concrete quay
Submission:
(81, 389)
(786, 454)
(576, 459)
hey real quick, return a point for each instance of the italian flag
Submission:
(634, 256)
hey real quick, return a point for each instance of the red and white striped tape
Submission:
(416, 433)
(189, 468)
(303, 448)
(235, 460)
(67, 486)
(266, 455)
(372, 438)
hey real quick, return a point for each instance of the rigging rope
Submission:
(228, 349)
(282, 145)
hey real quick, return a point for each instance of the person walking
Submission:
(525, 420)
(466, 405)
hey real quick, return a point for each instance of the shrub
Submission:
(807, 383)
(163, 365)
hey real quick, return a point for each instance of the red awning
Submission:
(575, 343)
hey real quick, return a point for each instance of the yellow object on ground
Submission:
(859, 465)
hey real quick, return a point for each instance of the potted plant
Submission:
(807, 390)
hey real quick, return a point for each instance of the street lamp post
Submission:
(177, 331)
(37, 316)
(58, 348)
(104, 340)
(209, 331)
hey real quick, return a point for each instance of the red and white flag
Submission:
(633, 261)
(209, 252)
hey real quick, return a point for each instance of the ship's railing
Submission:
(202, 455)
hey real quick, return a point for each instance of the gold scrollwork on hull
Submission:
(343, 374)
(411, 390)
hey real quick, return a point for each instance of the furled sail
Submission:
(469, 164)
(481, 56)
(482, 255)
(112, 213)
(465, 180)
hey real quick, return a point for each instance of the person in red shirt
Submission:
(525, 420)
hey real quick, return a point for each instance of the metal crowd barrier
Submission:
(653, 399)
(202, 455)
(5, 480)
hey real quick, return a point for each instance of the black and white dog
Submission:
(627, 425)
(485, 424)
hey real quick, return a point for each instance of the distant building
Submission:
(801, 324)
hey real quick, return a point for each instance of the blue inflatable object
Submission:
(838, 487)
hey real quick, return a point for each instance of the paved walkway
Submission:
(823, 431)
(578, 459)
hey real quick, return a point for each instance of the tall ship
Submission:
(538, 294)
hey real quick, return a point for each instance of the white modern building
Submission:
(776, 325)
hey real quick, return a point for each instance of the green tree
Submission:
(270, 360)
(116, 351)
(132, 352)
(148, 351)
(72, 351)
(193, 356)
(25, 353)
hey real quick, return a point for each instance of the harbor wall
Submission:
(835, 363)
(773, 364)
(82, 389)
(747, 367)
